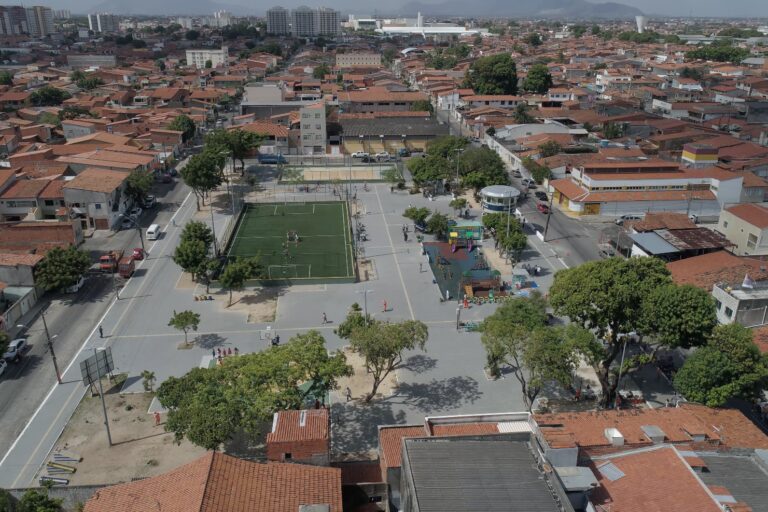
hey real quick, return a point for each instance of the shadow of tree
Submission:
(437, 395)
(355, 425)
(210, 340)
(419, 363)
(262, 295)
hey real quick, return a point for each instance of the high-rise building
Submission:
(40, 21)
(278, 21)
(328, 22)
(102, 22)
(62, 14)
(307, 22)
(13, 20)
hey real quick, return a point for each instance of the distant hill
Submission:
(525, 8)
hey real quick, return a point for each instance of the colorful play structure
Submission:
(465, 234)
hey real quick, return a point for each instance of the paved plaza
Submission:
(446, 379)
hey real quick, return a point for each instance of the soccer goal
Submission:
(290, 271)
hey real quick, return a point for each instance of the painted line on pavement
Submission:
(68, 367)
(394, 253)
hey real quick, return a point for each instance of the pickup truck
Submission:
(108, 262)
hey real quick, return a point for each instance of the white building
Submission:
(307, 22)
(186, 22)
(313, 131)
(199, 57)
(349, 60)
(278, 21)
(102, 22)
(328, 22)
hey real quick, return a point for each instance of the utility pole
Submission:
(213, 230)
(549, 216)
(101, 394)
(50, 347)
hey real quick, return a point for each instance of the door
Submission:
(592, 209)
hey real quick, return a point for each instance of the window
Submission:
(751, 241)
(317, 116)
(97, 206)
(287, 456)
(48, 202)
(725, 223)
(718, 304)
(318, 127)
(728, 312)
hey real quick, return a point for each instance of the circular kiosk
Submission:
(499, 199)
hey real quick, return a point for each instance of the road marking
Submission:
(394, 253)
(561, 261)
(66, 370)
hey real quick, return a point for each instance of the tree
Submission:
(729, 366)
(6, 78)
(190, 255)
(238, 143)
(77, 75)
(539, 172)
(382, 344)
(718, 53)
(61, 268)
(210, 406)
(416, 214)
(605, 297)
(595, 30)
(183, 124)
(438, 225)
(578, 31)
(550, 148)
(185, 321)
(203, 173)
(447, 146)
(533, 39)
(89, 83)
(422, 106)
(539, 79)
(458, 204)
(320, 71)
(355, 319)
(148, 380)
(49, 118)
(613, 130)
(481, 167)
(48, 96)
(196, 230)
(521, 115)
(192, 35)
(137, 184)
(491, 131)
(237, 272)
(34, 500)
(495, 74)
(679, 316)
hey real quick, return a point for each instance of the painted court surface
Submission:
(323, 249)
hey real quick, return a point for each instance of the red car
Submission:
(543, 208)
(138, 254)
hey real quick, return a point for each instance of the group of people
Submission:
(220, 353)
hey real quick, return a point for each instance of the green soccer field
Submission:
(323, 249)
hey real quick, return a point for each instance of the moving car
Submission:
(542, 207)
(382, 155)
(272, 159)
(153, 232)
(16, 349)
(628, 217)
(403, 152)
(360, 154)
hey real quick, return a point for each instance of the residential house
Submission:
(300, 437)
(746, 226)
(21, 199)
(97, 197)
(14, 100)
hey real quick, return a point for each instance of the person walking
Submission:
(101, 332)
(348, 394)
(157, 418)
(325, 318)
(237, 352)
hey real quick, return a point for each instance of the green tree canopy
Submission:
(521, 114)
(355, 318)
(447, 146)
(679, 316)
(191, 35)
(238, 143)
(237, 272)
(37, 500)
(6, 78)
(196, 230)
(210, 406)
(437, 224)
(534, 39)
(539, 172)
(422, 106)
(539, 79)
(729, 366)
(89, 83)
(185, 321)
(718, 53)
(606, 297)
(550, 148)
(416, 214)
(137, 185)
(320, 71)
(48, 96)
(481, 167)
(382, 345)
(61, 268)
(495, 74)
(190, 255)
(184, 124)
(203, 173)
(428, 169)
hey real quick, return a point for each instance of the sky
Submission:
(732, 8)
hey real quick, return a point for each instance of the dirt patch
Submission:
(185, 282)
(360, 382)
(260, 304)
(140, 448)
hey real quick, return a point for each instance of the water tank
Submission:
(642, 22)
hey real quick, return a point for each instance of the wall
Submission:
(737, 231)
(315, 451)
(17, 275)
(23, 299)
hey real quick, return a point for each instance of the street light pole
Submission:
(549, 216)
(50, 347)
(213, 230)
(458, 151)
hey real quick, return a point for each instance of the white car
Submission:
(382, 155)
(15, 349)
(360, 154)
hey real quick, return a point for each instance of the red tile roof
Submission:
(288, 426)
(218, 482)
(390, 438)
(751, 213)
(716, 267)
(656, 479)
(25, 189)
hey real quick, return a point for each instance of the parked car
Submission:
(136, 212)
(382, 155)
(360, 154)
(272, 159)
(541, 196)
(542, 207)
(528, 182)
(172, 171)
(3, 366)
(367, 159)
(149, 201)
(403, 152)
(166, 178)
(138, 253)
(628, 217)
(16, 349)
(517, 174)
(75, 287)
(127, 223)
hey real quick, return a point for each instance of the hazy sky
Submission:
(743, 8)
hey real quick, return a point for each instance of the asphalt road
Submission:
(71, 318)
